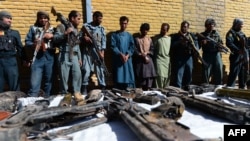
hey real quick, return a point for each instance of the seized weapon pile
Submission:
(218, 45)
(158, 125)
(237, 114)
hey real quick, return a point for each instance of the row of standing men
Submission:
(165, 59)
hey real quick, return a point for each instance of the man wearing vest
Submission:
(10, 45)
(39, 38)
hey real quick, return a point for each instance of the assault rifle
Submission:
(97, 59)
(34, 119)
(236, 114)
(40, 41)
(72, 37)
(148, 125)
(194, 49)
(219, 45)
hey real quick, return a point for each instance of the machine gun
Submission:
(73, 38)
(218, 45)
(97, 59)
(195, 51)
(236, 114)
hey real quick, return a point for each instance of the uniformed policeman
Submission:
(237, 42)
(10, 45)
(211, 54)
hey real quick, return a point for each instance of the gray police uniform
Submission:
(68, 61)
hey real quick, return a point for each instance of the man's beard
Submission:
(4, 26)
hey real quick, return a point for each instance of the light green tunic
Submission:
(162, 60)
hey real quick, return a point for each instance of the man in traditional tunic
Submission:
(162, 59)
(122, 45)
(144, 66)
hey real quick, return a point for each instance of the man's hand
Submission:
(68, 31)
(204, 42)
(26, 63)
(80, 62)
(48, 35)
(126, 58)
(87, 39)
(123, 58)
(101, 54)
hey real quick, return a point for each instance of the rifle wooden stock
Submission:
(4, 115)
(236, 93)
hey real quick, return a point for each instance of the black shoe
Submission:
(103, 87)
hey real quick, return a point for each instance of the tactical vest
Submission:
(7, 41)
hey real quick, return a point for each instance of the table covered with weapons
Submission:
(158, 114)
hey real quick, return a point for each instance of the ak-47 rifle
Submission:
(218, 45)
(236, 114)
(40, 41)
(97, 58)
(34, 119)
(195, 51)
(145, 124)
(73, 38)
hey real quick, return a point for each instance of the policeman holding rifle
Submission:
(239, 61)
(211, 53)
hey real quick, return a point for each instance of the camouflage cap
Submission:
(40, 13)
(4, 14)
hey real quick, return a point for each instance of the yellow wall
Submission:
(174, 12)
(154, 12)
